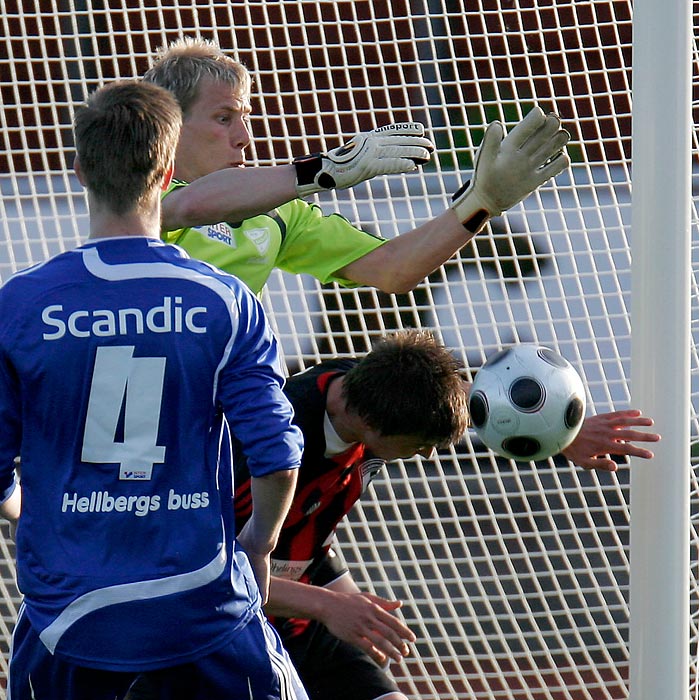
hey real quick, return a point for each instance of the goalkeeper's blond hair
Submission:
(182, 65)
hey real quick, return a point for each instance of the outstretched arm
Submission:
(232, 194)
(236, 194)
(508, 168)
(610, 434)
(362, 619)
(401, 263)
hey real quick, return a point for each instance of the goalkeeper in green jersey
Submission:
(249, 221)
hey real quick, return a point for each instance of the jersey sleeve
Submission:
(327, 568)
(250, 392)
(320, 245)
(296, 237)
(174, 235)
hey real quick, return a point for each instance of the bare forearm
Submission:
(364, 620)
(233, 194)
(295, 599)
(271, 499)
(403, 262)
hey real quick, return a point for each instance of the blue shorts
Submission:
(253, 665)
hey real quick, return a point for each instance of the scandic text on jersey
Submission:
(170, 317)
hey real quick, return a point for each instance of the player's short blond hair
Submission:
(182, 65)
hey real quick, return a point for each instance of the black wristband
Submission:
(479, 219)
(476, 223)
(460, 191)
(307, 167)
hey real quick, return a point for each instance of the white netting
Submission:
(515, 577)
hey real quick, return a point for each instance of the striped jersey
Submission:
(328, 485)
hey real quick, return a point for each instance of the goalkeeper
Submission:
(248, 222)
(355, 415)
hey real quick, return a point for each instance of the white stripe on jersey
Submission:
(150, 270)
(126, 592)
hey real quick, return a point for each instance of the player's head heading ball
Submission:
(409, 384)
(187, 62)
(126, 136)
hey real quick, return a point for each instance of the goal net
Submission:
(515, 577)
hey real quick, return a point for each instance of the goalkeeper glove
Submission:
(390, 149)
(510, 167)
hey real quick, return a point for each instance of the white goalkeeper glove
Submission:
(390, 149)
(510, 167)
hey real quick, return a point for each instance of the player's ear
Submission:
(78, 170)
(465, 380)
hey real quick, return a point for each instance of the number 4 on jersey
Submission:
(129, 389)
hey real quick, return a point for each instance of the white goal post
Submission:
(514, 577)
(661, 247)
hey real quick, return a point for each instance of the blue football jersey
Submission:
(123, 366)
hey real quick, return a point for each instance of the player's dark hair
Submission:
(126, 136)
(409, 384)
(181, 66)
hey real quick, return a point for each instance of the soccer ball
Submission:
(527, 402)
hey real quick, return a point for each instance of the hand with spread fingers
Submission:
(388, 150)
(510, 167)
(367, 621)
(611, 434)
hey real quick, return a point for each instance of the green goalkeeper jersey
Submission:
(296, 237)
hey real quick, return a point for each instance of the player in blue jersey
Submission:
(125, 367)
(405, 397)
(250, 221)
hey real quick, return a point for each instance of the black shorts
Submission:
(331, 669)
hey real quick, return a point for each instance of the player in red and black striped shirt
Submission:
(405, 397)
(355, 416)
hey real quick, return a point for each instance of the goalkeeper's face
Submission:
(215, 131)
